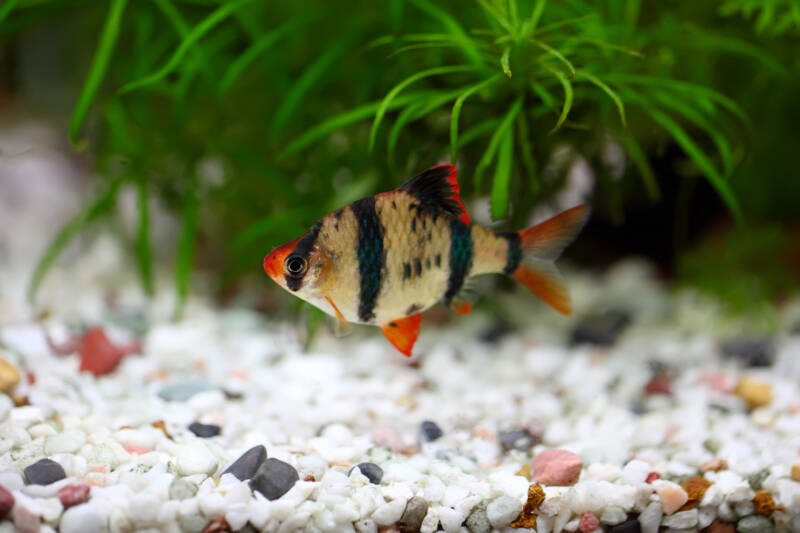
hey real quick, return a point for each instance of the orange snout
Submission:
(273, 262)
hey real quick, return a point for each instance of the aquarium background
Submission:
(203, 133)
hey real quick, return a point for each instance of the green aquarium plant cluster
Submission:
(248, 120)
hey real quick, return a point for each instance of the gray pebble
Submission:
(44, 472)
(182, 391)
(751, 351)
(416, 509)
(429, 431)
(274, 478)
(372, 472)
(516, 439)
(181, 489)
(245, 467)
(478, 521)
(204, 431)
(755, 523)
(756, 480)
(628, 526)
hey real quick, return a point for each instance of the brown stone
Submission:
(9, 376)
(795, 472)
(764, 503)
(163, 427)
(754, 393)
(720, 527)
(219, 525)
(527, 518)
(525, 471)
(695, 487)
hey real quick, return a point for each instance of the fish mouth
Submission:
(273, 262)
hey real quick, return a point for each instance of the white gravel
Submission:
(353, 400)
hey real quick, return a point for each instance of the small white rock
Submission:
(681, 520)
(196, 459)
(389, 512)
(613, 515)
(503, 510)
(650, 518)
(65, 442)
(90, 517)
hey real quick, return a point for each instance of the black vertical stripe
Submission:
(514, 254)
(461, 254)
(370, 256)
(302, 249)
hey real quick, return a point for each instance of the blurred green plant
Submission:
(244, 119)
(774, 17)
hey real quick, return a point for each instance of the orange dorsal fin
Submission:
(544, 281)
(438, 188)
(403, 332)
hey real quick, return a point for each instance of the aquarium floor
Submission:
(659, 429)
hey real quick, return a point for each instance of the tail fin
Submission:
(541, 245)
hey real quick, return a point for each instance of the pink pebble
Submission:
(6, 502)
(73, 494)
(671, 494)
(25, 521)
(589, 522)
(557, 467)
(135, 450)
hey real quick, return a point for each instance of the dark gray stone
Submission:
(411, 521)
(751, 351)
(44, 472)
(495, 332)
(204, 430)
(755, 523)
(600, 330)
(373, 472)
(516, 439)
(429, 431)
(245, 467)
(628, 526)
(274, 478)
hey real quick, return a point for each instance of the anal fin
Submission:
(343, 327)
(544, 280)
(403, 332)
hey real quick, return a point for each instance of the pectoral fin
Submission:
(403, 332)
(343, 327)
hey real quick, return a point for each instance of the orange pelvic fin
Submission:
(403, 332)
(545, 282)
(342, 325)
(462, 308)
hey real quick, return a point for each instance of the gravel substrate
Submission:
(646, 412)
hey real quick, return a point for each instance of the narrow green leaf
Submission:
(97, 70)
(609, 91)
(556, 54)
(639, 159)
(102, 204)
(402, 85)
(543, 94)
(306, 80)
(220, 14)
(504, 61)
(567, 86)
(417, 46)
(502, 177)
(264, 43)
(144, 247)
(477, 131)
(526, 151)
(6, 9)
(186, 245)
(497, 15)
(456, 113)
(494, 142)
(536, 15)
(173, 15)
(340, 121)
(469, 47)
(567, 22)
(414, 112)
(703, 163)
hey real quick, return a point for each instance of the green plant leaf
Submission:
(173, 15)
(494, 142)
(416, 111)
(217, 16)
(340, 121)
(502, 176)
(556, 54)
(456, 113)
(187, 240)
(477, 131)
(703, 163)
(639, 159)
(144, 248)
(102, 204)
(543, 94)
(7, 8)
(609, 91)
(497, 15)
(387, 100)
(536, 15)
(276, 222)
(97, 70)
(469, 47)
(526, 152)
(567, 86)
(504, 61)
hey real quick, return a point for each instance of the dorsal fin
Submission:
(438, 188)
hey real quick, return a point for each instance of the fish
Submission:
(385, 259)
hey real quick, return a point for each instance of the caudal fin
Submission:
(541, 245)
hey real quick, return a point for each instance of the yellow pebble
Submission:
(796, 472)
(754, 393)
(9, 376)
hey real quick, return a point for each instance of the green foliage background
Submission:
(310, 105)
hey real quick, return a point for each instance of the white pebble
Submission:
(6, 405)
(450, 519)
(366, 526)
(635, 472)
(503, 510)
(27, 415)
(196, 459)
(613, 515)
(389, 512)
(65, 442)
(90, 517)
(41, 430)
(650, 518)
(11, 481)
(681, 520)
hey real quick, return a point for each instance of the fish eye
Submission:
(295, 266)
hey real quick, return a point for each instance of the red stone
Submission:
(557, 467)
(70, 495)
(6, 502)
(133, 449)
(652, 476)
(99, 356)
(659, 384)
(589, 522)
